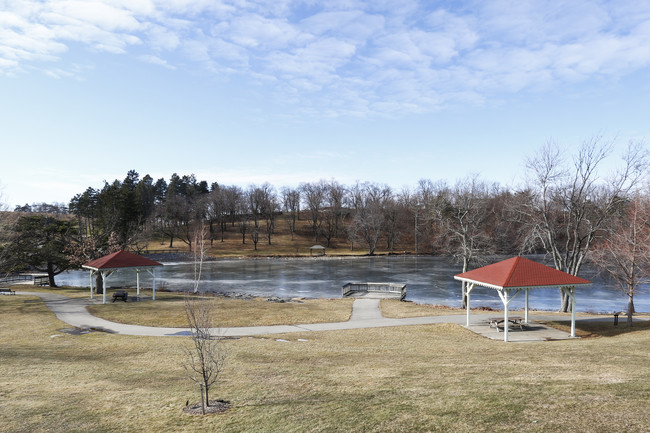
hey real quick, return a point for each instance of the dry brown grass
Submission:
(168, 310)
(72, 292)
(422, 378)
(397, 309)
(282, 243)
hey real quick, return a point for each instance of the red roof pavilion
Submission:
(516, 274)
(519, 272)
(106, 265)
(120, 259)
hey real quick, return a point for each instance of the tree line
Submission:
(569, 208)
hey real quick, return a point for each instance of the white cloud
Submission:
(345, 56)
(156, 61)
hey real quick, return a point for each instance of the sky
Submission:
(250, 91)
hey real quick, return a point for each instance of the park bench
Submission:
(120, 294)
(7, 292)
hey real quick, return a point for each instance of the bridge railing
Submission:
(395, 288)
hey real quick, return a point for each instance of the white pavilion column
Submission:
(526, 310)
(137, 280)
(505, 316)
(104, 278)
(506, 298)
(92, 286)
(470, 287)
(571, 292)
(105, 275)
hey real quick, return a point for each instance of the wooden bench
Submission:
(7, 292)
(120, 294)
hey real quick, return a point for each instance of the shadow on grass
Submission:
(600, 328)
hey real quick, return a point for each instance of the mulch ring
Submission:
(216, 406)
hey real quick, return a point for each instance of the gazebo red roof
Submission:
(519, 272)
(121, 259)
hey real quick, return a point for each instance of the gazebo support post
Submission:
(506, 298)
(526, 310)
(137, 280)
(92, 286)
(105, 275)
(470, 287)
(104, 278)
(152, 271)
(571, 294)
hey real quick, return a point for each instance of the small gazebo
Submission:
(509, 277)
(317, 250)
(118, 261)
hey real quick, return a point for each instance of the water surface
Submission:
(429, 280)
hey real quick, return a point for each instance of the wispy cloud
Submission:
(346, 57)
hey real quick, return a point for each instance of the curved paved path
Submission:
(365, 314)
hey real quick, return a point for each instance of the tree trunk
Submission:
(463, 286)
(50, 274)
(99, 283)
(565, 305)
(202, 400)
(630, 309)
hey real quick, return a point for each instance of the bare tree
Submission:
(314, 196)
(233, 197)
(269, 209)
(291, 205)
(215, 210)
(570, 207)
(369, 202)
(461, 216)
(206, 356)
(624, 256)
(255, 201)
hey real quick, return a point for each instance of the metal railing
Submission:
(17, 278)
(395, 288)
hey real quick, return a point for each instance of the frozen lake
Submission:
(429, 280)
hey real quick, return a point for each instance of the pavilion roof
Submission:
(119, 260)
(519, 272)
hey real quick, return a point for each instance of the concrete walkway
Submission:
(365, 314)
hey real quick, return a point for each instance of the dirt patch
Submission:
(216, 406)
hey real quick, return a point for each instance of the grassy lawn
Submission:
(69, 291)
(397, 309)
(403, 379)
(168, 310)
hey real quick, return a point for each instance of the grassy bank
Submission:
(169, 310)
(421, 378)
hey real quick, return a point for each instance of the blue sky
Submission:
(243, 92)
